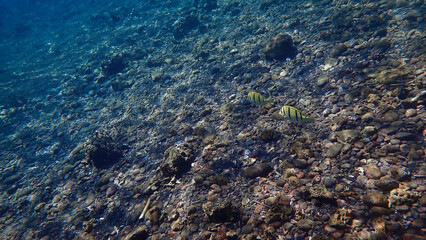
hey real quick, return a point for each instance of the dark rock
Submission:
(382, 45)
(300, 163)
(140, 233)
(102, 150)
(114, 65)
(184, 25)
(176, 161)
(269, 135)
(246, 229)
(375, 199)
(379, 211)
(199, 131)
(405, 136)
(305, 224)
(419, 223)
(280, 47)
(206, 111)
(386, 183)
(334, 151)
(219, 212)
(377, 236)
(191, 210)
(394, 227)
(329, 182)
(338, 50)
(260, 170)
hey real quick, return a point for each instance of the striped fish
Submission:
(295, 115)
(258, 99)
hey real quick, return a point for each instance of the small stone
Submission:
(305, 224)
(372, 171)
(379, 211)
(300, 163)
(410, 112)
(322, 81)
(110, 191)
(418, 223)
(339, 187)
(390, 116)
(368, 131)
(375, 199)
(346, 166)
(270, 201)
(394, 227)
(261, 170)
(338, 50)
(367, 117)
(191, 210)
(334, 151)
(329, 182)
(348, 135)
(140, 233)
(247, 229)
(341, 218)
(387, 183)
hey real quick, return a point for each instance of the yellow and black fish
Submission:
(295, 115)
(258, 99)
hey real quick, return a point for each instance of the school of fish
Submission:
(289, 112)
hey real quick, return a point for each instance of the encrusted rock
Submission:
(402, 195)
(269, 135)
(177, 160)
(320, 192)
(341, 218)
(280, 47)
(219, 212)
(103, 150)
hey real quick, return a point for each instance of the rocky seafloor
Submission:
(129, 120)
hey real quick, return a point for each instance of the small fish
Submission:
(295, 115)
(258, 99)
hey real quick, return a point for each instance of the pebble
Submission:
(346, 166)
(300, 163)
(410, 113)
(305, 224)
(375, 199)
(247, 229)
(390, 116)
(329, 182)
(372, 171)
(334, 151)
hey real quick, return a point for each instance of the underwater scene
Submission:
(212, 119)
